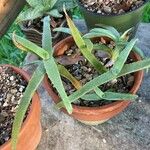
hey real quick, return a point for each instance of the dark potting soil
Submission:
(12, 86)
(111, 7)
(38, 24)
(81, 69)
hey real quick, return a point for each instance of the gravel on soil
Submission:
(107, 7)
(82, 70)
(12, 86)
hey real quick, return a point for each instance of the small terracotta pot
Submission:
(93, 115)
(31, 130)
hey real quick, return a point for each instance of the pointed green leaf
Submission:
(118, 96)
(89, 44)
(66, 74)
(70, 4)
(62, 29)
(111, 29)
(139, 51)
(55, 13)
(83, 47)
(110, 96)
(47, 37)
(54, 76)
(34, 3)
(51, 2)
(99, 92)
(25, 102)
(28, 46)
(123, 57)
(30, 14)
(125, 35)
(134, 67)
(99, 32)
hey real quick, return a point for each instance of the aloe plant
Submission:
(47, 61)
(48, 65)
(40, 8)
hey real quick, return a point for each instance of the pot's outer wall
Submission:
(31, 130)
(9, 10)
(120, 22)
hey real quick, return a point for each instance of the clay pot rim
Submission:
(112, 15)
(92, 110)
(34, 98)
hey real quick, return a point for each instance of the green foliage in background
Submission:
(146, 15)
(9, 54)
(76, 14)
(39, 8)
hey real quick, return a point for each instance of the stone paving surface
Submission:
(130, 130)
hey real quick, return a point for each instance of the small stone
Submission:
(12, 78)
(104, 141)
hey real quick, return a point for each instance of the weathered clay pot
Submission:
(31, 131)
(93, 115)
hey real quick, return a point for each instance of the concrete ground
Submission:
(130, 130)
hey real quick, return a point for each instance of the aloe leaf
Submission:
(62, 29)
(123, 57)
(34, 3)
(33, 63)
(51, 66)
(115, 53)
(75, 32)
(111, 29)
(25, 102)
(125, 35)
(87, 97)
(103, 47)
(28, 46)
(66, 74)
(70, 4)
(99, 92)
(135, 49)
(83, 47)
(106, 77)
(55, 13)
(93, 60)
(54, 76)
(134, 67)
(48, 4)
(99, 32)
(118, 96)
(51, 3)
(47, 37)
(110, 96)
(89, 44)
(139, 51)
(30, 14)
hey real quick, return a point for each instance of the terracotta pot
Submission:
(35, 36)
(31, 130)
(93, 115)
